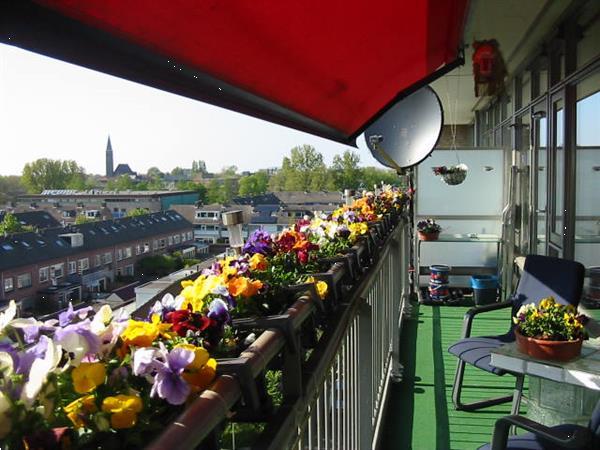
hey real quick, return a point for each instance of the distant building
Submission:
(36, 219)
(109, 159)
(122, 169)
(69, 263)
(65, 205)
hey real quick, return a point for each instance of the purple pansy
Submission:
(259, 242)
(168, 382)
(218, 311)
(66, 317)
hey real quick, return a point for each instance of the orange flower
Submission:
(244, 286)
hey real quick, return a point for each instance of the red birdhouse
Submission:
(488, 68)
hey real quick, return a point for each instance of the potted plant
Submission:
(452, 175)
(549, 330)
(428, 230)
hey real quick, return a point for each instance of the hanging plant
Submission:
(452, 175)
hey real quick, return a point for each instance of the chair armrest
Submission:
(580, 439)
(471, 313)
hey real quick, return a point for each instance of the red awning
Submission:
(328, 67)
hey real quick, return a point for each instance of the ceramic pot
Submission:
(428, 236)
(548, 350)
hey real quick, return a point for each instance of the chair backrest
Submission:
(594, 424)
(545, 276)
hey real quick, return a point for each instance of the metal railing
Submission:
(335, 393)
(346, 394)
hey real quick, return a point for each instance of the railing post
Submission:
(398, 256)
(365, 376)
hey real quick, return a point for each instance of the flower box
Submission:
(429, 236)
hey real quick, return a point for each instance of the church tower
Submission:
(109, 159)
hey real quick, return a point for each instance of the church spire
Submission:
(109, 159)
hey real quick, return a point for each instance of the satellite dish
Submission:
(408, 132)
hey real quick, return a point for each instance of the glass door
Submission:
(557, 176)
(539, 179)
(522, 193)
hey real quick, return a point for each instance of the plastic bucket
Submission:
(439, 273)
(485, 289)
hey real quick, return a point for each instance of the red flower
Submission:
(185, 320)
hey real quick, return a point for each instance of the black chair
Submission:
(541, 437)
(543, 276)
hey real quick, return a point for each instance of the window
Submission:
(127, 252)
(72, 267)
(83, 264)
(119, 254)
(119, 271)
(43, 274)
(97, 260)
(161, 243)
(24, 280)
(176, 239)
(107, 258)
(189, 235)
(170, 240)
(129, 270)
(8, 284)
(182, 237)
(138, 249)
(57, 270)
(155, 244)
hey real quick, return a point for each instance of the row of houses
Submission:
(54, 265)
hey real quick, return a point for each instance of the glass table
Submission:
(559, 392)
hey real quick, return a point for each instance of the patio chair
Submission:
(541, 437)
(542, 276)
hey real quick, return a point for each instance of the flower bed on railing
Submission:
(94, 378)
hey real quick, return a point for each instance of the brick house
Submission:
(59, 264)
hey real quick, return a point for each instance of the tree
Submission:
(213, 193)
(255, 184)
(177, 171)
(47, 173)
(373, 175)
(154, 173)
(199, 167)
(10, 187)
(191, 186)
(136, 212)
(10, 224)
(346, 173)
(229, 171)
(81, 219)
(123, 183)
(303, 170)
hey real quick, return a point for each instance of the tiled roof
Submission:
(22, 249)
(39, 219)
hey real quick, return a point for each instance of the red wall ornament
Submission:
(488, 68)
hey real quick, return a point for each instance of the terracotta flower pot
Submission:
(548, 350)
(428, 236)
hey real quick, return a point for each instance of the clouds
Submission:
(57, 110)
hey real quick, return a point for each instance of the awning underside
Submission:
(327, 67)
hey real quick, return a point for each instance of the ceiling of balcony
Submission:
(519, 27)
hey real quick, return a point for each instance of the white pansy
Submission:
(101, 319)
(39, 371)
(7, 315)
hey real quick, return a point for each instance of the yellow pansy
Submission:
(87, 376)
(547, 303)
(258, 262)
(201, 356)
(143, 334)
(123, 409)
(200, 379)
(78, 409)
(195, 293)
(321, 287)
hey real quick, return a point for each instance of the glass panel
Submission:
(522, 185)
(558, 175)
(541, 142)
(589, 20)
(526, 89)
(587, 208)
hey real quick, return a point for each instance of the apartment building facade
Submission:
(60, 264)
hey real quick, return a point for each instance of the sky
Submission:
(51, 109)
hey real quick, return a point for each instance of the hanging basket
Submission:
(454, 178)
(452, 175)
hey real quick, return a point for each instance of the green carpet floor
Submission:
(420, 414)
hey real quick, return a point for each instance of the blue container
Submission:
(485, 289)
